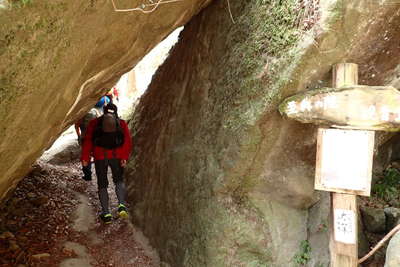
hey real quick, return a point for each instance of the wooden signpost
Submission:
(344, 161)
(344, 155)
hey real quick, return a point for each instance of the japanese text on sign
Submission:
(345, 226)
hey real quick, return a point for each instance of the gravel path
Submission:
(52, 220)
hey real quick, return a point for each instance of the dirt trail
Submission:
(51, 220)
(117, 244)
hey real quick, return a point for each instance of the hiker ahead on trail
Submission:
(82, 124)
(108, 140)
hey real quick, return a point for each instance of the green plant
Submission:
(303, 256)
(323, 226)
(392, 177)
(20, 3)
(387, 187)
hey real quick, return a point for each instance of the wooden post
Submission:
(345, 151)
(342, 254)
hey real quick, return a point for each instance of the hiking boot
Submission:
(106, 218)
(122, 211)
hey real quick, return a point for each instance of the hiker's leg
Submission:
(102, 183)
(90, 167)
(117, 173)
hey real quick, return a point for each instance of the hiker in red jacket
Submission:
(108, 140)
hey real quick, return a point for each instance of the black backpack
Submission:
(108, 132)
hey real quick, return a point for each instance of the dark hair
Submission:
(110, 108)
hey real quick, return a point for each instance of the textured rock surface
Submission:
(57, 58)
(374, 220)
(363, 244)
(318, 230)
(392, 252)
(64, 150)
(218, 177)
(392, 218)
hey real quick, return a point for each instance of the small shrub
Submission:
(323, 226)
(20, 3)
(387, 188)
(303, 256)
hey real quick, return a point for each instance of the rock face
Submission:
(218, 177)
(57, 58)
(374, 220)
(392, 218)
(392, 252)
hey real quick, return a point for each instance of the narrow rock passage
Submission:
(51, 220)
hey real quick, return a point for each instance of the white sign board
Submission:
(344, 161)
(345, 226)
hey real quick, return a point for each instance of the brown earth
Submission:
(51, 220)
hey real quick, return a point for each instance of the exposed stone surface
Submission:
(392, 252)
(392, 217)
(57, 58)
(218, 177)
(388, 153)
(363, 244)
(64, 150)
(374, 219)
(319, 225)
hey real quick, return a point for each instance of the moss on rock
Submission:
(220, 177)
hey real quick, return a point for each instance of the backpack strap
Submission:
(97, 130)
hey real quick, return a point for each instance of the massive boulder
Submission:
(392, 253)
(218, 177)
(58, 57)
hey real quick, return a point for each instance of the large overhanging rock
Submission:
(58, 57)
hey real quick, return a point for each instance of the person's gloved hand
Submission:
(123, 163)
(87, 173)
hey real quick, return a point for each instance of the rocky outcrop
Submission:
(219, 178)
(374, 219)
(392, 218)
(392, 252)
(57, 58)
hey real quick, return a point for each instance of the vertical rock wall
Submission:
(196, 178)
(218, 177)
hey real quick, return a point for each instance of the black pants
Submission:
(101, 167)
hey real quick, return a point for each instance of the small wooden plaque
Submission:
(345, 226)
(345, 237)
(344, 161)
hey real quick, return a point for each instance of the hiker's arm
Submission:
(87, 144)
(127, 146)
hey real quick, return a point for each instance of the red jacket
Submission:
(121, 152)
